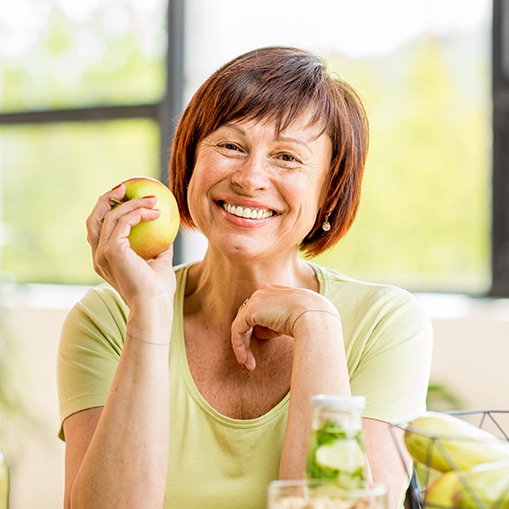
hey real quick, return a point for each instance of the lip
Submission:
(246, 204)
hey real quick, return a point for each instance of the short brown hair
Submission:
(279, 84)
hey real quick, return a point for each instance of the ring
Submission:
(245, 302)
(114, 201)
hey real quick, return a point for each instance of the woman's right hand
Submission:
(108, 228)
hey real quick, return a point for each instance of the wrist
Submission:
(316, 319)
(151, 319)
(157, 305)
(165, 341)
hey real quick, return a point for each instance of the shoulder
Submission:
(338, 286)
(374, 303)
(388, 341)
(98, 318)
(100, 300)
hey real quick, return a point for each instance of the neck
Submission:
(217, 286)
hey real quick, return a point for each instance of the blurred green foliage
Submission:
(112, 54)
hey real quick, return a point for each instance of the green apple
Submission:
(150, 238)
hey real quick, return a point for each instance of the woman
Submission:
(267, 160)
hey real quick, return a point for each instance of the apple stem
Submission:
(115, 201)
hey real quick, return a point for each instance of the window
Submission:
(82, 89)
(85, 100)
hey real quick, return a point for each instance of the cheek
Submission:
(193, 196)
(311, 193)
(202, 181)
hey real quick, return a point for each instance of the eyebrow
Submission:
(298, 141)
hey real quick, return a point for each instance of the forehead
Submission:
(305, 126)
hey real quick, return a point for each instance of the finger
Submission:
(121, 219)
(113, 245)
(166, 255)
(243, 354)
(261, 332)
(103, 205)
(114, 237)
(162, 262)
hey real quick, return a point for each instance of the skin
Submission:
(243, 358)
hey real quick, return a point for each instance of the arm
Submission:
(116, 456)
(317, 355)
(384, 460)
(319, 363)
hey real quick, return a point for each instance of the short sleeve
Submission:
(90, 345)
(393, 357)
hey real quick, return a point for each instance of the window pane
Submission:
(51, 178)
(69, 53)
(422, 68)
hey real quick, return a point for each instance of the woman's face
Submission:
(254, 192)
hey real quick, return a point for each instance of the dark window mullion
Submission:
(172, 104)
(500, 170)
(91, 114)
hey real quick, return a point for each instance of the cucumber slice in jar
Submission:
(343, 454)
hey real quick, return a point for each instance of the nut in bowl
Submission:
(324, 494)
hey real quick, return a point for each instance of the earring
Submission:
(326, 224)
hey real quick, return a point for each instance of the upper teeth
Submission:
(247, 212)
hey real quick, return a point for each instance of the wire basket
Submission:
(422, 474)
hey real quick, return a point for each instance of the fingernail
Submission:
(117, 186)
(150, 196)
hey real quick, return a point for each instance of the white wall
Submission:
(471, 356)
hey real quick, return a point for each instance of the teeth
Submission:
(247, 212)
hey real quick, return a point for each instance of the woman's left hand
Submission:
(273, 311)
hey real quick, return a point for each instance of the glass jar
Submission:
(336, 447)
(4, 481)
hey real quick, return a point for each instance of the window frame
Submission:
(500, 153)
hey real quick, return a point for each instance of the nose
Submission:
(252, 174)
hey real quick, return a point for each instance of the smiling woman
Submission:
(218, 359)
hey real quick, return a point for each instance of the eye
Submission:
(230, 146)
(288, 159)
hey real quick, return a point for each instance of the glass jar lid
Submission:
(334, 402)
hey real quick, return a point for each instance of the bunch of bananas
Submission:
(472, 464)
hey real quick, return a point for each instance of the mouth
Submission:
(248, 212)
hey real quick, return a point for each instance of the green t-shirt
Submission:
(216, 461)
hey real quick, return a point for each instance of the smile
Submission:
(247, 212)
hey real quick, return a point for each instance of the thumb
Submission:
(240, 344)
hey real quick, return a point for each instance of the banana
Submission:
(444, 442)
(440, 490)
(484, 486)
